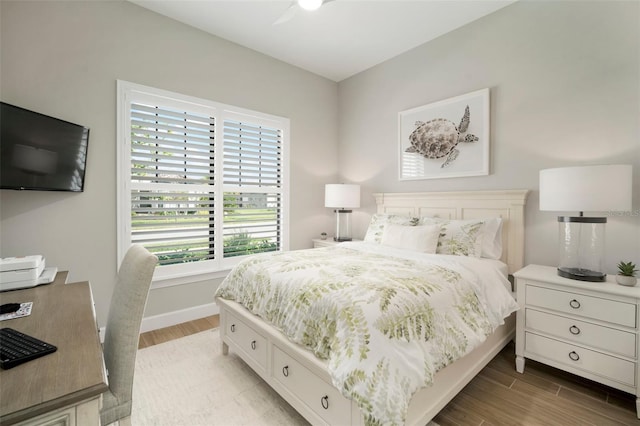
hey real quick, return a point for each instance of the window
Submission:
(201, 184)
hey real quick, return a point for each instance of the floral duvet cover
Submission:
(386, 320)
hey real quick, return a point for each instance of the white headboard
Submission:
(507, 204)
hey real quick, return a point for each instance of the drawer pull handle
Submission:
(325, 402)
(233, 328)
(285, 371)
(253, 345)
(574, 356)
(574, 330)
(574, 304)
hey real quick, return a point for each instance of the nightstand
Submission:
(317, 242)
(586, 328)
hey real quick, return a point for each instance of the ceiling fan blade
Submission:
(288, 14)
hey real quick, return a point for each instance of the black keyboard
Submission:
(16, 348)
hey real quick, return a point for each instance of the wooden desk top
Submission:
(63, 315)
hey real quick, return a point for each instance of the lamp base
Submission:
(582, 274)
(343, 225)
(341, 239)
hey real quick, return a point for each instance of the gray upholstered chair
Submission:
(123, 330)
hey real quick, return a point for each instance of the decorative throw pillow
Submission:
(379, 221)
(491, 247)
(423, 238)
(459, 237)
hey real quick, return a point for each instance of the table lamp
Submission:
(597, 188)
(342, 197)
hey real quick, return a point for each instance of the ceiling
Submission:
(342, 38)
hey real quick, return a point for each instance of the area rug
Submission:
(188, 381)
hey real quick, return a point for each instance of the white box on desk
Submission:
(25, 272)
(25, 268)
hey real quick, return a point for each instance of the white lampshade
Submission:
(586, 188)
(342, 196)
(310, 4)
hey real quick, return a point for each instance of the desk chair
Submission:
(123, 332)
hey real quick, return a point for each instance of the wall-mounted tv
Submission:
(39, 152)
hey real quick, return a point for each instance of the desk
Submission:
(65, 386)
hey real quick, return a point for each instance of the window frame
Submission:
(176, 274)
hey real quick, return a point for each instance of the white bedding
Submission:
(471, 262)
(385, 319)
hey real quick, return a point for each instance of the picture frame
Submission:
(433, 141)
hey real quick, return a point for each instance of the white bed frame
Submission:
(303, 380)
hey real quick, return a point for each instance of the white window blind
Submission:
(205, 183)
(172, 171)
(252, 181)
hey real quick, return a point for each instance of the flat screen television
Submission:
(39, 152)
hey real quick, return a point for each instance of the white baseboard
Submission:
(156, 322)
(178, 317)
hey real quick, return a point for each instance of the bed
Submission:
(320, 379)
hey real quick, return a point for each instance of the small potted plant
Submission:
(626, 274)
(323, 236)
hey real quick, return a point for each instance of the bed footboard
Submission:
(292, 371)
(304, 381)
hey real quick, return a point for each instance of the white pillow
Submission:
(459, 237)
(423, 239)
(492, 240)
(379, 221)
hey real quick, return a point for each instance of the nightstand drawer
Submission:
(324, 243)
(599, 337)
(577, 357)
(607, 310)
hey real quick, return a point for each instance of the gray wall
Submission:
(62, 58)
(564, 79)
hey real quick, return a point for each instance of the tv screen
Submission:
(39, 152)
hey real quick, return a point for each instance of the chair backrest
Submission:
(123, 328)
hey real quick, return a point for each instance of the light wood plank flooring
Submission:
(162, 335)
(499, 395)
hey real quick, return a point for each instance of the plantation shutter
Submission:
(252, 184)
(172, 183)
(200, 184)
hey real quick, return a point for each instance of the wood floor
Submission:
(499, 395)
(162, 335)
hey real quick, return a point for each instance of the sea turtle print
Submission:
(439, 137)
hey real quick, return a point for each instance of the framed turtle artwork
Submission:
(445, 139)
